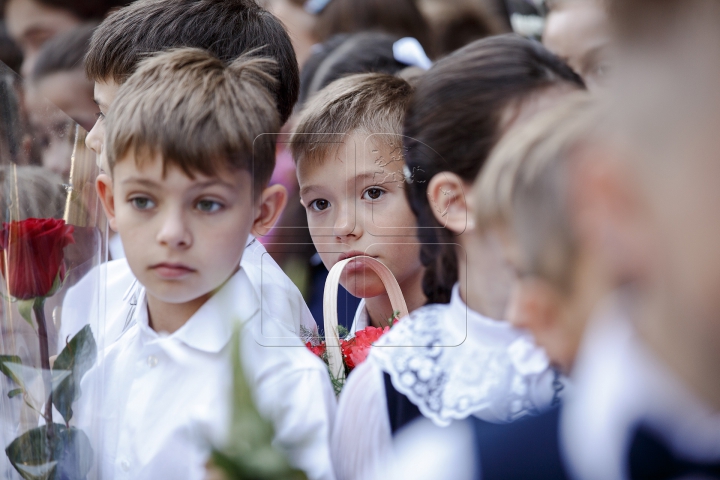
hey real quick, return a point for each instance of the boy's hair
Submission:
(456, 23)
(396, 17)
(199, 113)
(455, 119)
(225, 28)
(524, 187)
(64, 52)
(345, 54)
(83, 9)
(371, 103)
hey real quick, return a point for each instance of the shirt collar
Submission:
(618, 384)
(211, 327)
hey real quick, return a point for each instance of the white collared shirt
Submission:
(618, 384)
(154, 401)
(451, 362)
(106, 297)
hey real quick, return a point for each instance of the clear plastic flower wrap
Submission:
(52, 240)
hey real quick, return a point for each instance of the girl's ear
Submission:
(104, 188)
(448, 197)
(272, 203)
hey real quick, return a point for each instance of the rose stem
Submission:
(39, 309)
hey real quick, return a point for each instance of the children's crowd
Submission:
(547, 207)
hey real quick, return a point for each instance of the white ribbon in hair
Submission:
(315, 7)
(409, 51)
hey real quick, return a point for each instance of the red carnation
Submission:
(356, 350)
(31, 256)
(318, 350)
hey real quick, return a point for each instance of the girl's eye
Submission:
(100, 116)
(142, 203)
(319, 205)
(373, 193)
(208, 206)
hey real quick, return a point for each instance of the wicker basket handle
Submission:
(332, 337)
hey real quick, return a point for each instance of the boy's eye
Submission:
(373, 193)
(142, 203)
(319, 205)
(208, 206)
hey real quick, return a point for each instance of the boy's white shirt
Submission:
(109, 310)
(152, 398)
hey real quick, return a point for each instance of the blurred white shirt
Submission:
(619, 384)
(154, 401)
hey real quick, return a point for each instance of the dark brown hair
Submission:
(454, 121)
(346, 54)
(226, 28)
(457, 23)
(396, 17)
(64, 52)
(199, 113)
(83, 9)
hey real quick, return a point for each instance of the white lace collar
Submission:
(455, 363)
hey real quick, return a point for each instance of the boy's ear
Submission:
(104, 188)
(272, 203)
(449, 199)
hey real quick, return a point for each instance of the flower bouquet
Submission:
(340, 352)
(50, 239)
(33, 269)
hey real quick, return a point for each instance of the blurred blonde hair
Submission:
(524, 186)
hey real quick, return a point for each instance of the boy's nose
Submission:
(346, 223)
(174, 232)
(94, 138)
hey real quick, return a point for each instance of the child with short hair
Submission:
(227, 30)
(190, 158)
(349, 156)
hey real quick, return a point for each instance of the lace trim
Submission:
(452, 383)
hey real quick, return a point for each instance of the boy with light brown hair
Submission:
(350, 166)
(191, 148)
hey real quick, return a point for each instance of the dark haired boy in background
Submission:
(31, 23)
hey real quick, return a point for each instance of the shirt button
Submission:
(125, 466)
(152, 361)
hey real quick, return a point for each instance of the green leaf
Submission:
(65, 455)
(249, 452)
(25, 308)
(77, 357)
(15, 393)
(57, 285)
(4, 360)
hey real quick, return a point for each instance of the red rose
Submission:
(318, 350)
(31, 255)
(356, 350)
